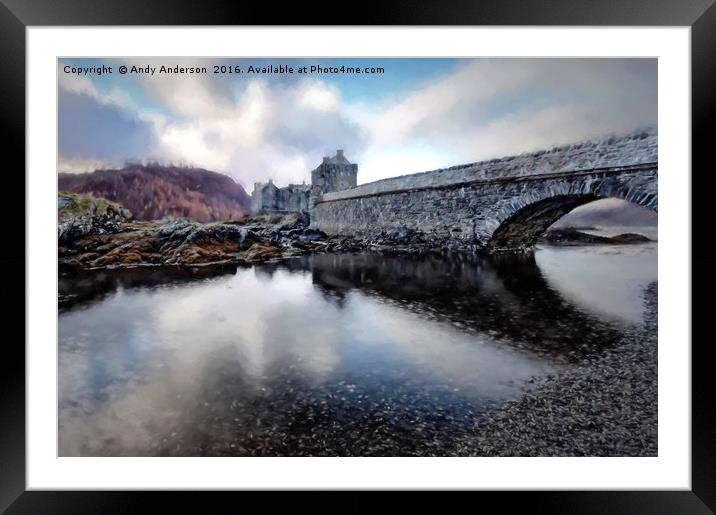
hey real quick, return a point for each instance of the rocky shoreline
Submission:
(106, 239)
(607, 406)
(94, 233)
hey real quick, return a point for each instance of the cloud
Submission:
(266, 127)
(492, 108)
(318, 95)
(266, 131)
(92, 132)
(252, 129)
(82, 85)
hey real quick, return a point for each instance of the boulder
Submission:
(312, 235)
(83, 215)
(400, 235)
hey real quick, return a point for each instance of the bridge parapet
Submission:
(613, 152)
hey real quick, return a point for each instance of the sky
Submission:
(419, 114)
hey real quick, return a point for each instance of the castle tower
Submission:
(334, 174)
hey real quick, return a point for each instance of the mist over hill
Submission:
(153, 192)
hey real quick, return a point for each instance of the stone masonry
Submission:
(501, 203)
(266, 197)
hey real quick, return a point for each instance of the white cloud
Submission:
(318, 95)
(255, 129)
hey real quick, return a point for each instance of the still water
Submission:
(346, 354)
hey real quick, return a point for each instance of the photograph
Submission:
(357, 256)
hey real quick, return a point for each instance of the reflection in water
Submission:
(319, 355)
(606, 280)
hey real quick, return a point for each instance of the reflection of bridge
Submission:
(505, 296)
(502, 203)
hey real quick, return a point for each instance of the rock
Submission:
(247, 235)
(177, 229)
(262, 252)
(83, 215)
(312, 235)
(400, 234)
(188, 231)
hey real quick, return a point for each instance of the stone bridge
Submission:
(502, 203)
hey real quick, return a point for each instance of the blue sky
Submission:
(419, 114)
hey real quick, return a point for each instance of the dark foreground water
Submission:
(350, 355)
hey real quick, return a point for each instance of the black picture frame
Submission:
(17, 15)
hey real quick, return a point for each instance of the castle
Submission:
(333, 174)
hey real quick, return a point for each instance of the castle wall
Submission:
(267, 197)
(294, 199)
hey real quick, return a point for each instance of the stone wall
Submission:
(472, 211)
(294, 198)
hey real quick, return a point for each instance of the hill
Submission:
(572, 236)
(608, 212)
(154, 192)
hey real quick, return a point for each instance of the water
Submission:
(605, 280)
(350, 355)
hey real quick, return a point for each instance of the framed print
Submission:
(450, 250)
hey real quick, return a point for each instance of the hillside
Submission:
(571, 236)
(609, 212)
(156, 192)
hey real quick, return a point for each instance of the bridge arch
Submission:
(524, 218)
